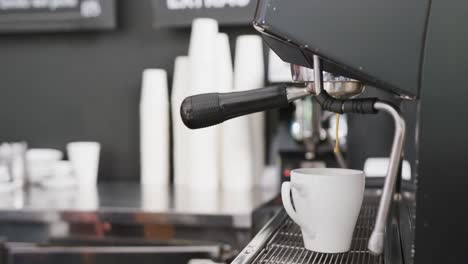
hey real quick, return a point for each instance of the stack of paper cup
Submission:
(203, 201)
(236, 165)
(180, 90)
(249, 74)
(196, 201)
(235, 141)
(84, 157)
(231, 162)
(237, 201)
(155, 198)
(203, 150)
(202, 55)
(237, 155)
(154, 128)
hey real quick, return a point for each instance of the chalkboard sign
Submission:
(56, 15)
(180, 13)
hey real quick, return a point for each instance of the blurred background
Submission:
(68, 85)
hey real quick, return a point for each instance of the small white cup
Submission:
(62, 176)
(327, 203)
(84, 157)
(40, 163)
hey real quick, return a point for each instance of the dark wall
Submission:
(62, 87)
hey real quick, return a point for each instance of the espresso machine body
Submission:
(377, 42)
(415, 50)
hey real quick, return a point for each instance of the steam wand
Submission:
(376, 240)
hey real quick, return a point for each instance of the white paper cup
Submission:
(278, 70)
(249, 70)
(188, 200)
(204, 31)
(237, 164)
(202, 55)
(154, 128)
(155, 198)
(249, 74)
(224, 68)
(84, 157)
(87, 198)
(180, 90)
(43, 155)
(203, 144)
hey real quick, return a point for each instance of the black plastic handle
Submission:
(207, 110)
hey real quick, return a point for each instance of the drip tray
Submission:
(281, 242)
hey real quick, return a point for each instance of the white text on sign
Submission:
(198, 4)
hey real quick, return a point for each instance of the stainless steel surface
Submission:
(19, 248)
(307, 124)
(295, 93)
(317, 75)
(260, 240)
(130, 219)
(336, 86)
(127, 202)
(302, 74)
(301, 127)
(376, 241)
(311, 143)
(281, 242)
(40, 254)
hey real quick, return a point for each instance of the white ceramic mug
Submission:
(327, 203)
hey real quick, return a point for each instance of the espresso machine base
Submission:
(280, 241)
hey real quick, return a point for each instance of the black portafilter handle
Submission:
(205, 110)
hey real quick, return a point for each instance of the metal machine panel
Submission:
(380, 42)
(441, 211)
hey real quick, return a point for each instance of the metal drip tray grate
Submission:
(286, 245)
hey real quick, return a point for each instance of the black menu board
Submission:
(56, 15)
(180, 13)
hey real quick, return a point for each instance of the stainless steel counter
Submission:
(127, 217)
(132, 203)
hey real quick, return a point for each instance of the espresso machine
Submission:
(412, 50)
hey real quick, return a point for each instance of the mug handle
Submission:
(286, 197)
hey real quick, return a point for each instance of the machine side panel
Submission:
(441, 220)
